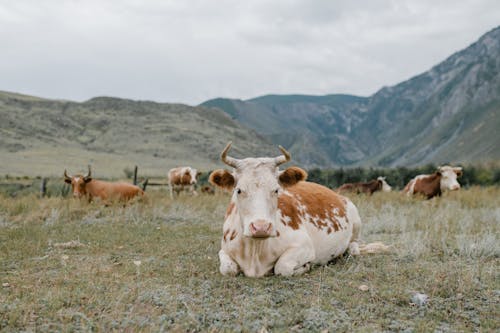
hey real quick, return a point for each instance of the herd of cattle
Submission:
(276, 221)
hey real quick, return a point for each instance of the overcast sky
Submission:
(189, 51)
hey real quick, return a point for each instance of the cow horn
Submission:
(283, 158)
(88, 174)
(66, 175)
(233, 162)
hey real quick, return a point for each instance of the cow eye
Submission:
(276, 191)
(238, 191)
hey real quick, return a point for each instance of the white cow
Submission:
(278, 223)
(444, 179)
(182, 178)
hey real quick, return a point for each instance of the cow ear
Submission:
(222, 178)
(67, 181)
(458, 171)
(87, 179)
(292, 176)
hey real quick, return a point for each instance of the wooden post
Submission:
(43, 187)
(145, 184)
(135, 175)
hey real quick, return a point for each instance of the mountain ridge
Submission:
(425, 119)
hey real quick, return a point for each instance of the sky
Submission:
(189, 51)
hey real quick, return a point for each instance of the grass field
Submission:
(153, 266)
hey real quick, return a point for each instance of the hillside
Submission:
(449, 113)
(42, 136)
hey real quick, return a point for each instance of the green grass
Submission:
(446, 248)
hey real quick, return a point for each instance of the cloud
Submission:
(192, 50)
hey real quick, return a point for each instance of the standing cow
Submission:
(87, 187)
(277, 222)
(182, 178)
(445, 178)
(374, 185)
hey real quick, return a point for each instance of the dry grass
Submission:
(153, 266)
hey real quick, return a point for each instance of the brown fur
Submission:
(292, 176)
(106, 191)
(429, 186)
(222, 178)
(319, 202)
(366, 187)
(207, 189)
(176, 178)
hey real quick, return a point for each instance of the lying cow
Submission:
(182, 178)
(277, 222)
(87, 187)
(445, 178)
(374, 185)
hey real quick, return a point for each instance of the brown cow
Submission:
(85, 186)
(374, 185)
(207, 189)
(445, 178)
(182, 178)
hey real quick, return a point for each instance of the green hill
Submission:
(43, 136)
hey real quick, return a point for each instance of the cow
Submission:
(207, 189)
(84, 186)
(182, 178)
(444, 179)
(276, 222)
(374, 185)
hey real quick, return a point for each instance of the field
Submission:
(152, 266)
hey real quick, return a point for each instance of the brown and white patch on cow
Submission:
(316, 208)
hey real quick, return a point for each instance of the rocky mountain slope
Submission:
(450, 113)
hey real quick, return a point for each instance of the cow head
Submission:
(78, 183)
(385, 187)
(256, 184)
(449, 177)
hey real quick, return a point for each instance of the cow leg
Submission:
(353, 217)
(227, 265)
(170, 186)
(294, 261)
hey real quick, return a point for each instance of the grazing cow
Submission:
(87, 187)
(445, 178)
(374, 185)
(277, 222)
(182, 178)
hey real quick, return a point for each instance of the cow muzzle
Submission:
(261, 229)
(455, 187)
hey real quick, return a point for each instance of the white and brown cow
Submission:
(277, 222)
(444, 179)
(370, 187)
(84, 186)
(182, 178)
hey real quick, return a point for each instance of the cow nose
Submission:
(455, 187)
(260, 228)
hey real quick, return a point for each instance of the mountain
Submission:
(450, 113)
(43, 137)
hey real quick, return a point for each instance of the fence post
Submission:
(43, 187)
(135, 175)
(145, 184)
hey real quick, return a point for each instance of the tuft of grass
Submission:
(153, 266)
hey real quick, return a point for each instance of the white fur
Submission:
(385, 187)
(294, 250)
(449, 178)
